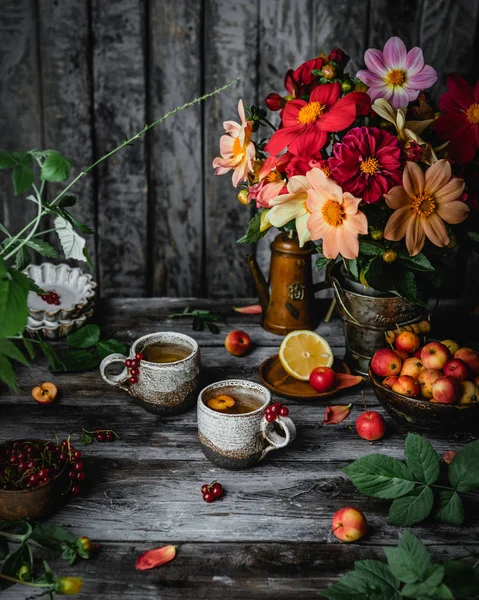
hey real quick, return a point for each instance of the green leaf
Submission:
(463, 472)
(417, 550)
(428, 587)
(380, 476)
(11, 565)
(322, 262)
(450, 509)
(411, 508)
(462, 578)
(107, 347)
(51, 354)
(3, 548)
(66, 201)
(72, 243)
(7, 161)
(351, 586)
(421, 458)
(24, 158)
(55, 167)
(88, 260)
(8, 349)
(86, 438)
(14, 288)
(253, 233)
(29, 347)
(51, 536)
(370, 248)
(76, 361)
(378, 574)
(22, 258)
(405, 286)
(86, 337)
(22, 178)
(352, 267)
(402, 564)
(42, 247)
(419, 262)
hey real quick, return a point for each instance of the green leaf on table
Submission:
(462, 578)
(11, 565)
(463, 471)
(451, 508)
(42, 247)
(14, 288)
(417, 550)
(351, 586)
(22, 178)
(426, 588)
(86, 437)
(370, 248)
(51, 536)
(72, 243)
(7, 374)
(412, 508)
(254, 233)
(7, 161)
(55, 167)
(421, 458)
(420, 262)
(380, 476)
(8, 349)
(378, 575)
(54, 361)
(76, 361)
(85, 337)
(402, 564)
(107, 347)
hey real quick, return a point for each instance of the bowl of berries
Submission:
(433, 386)
(37, 477)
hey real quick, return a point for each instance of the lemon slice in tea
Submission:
(302, 351)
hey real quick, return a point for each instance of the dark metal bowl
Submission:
(422, 414)
(36, 503)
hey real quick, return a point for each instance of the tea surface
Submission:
(165, 353)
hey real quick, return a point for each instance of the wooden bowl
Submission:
(422, 414)
(36, 503)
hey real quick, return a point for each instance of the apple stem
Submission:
(338, 527)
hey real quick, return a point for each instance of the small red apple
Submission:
(370, 426)
(435, 355)
(451, 345)
(417, 354)
(238, 343)
(456, 368)
(407, 386)
(468, 392)
(322, 379)
(446, 390)
(412, 367)
(470, 357)
(408, 341)
(390, 381)
(426, 380)
(349, 524)
(386, 362)
(403, 355)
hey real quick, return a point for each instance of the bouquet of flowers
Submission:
(365, 167)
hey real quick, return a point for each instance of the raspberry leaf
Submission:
(412, 508)
(417, 549)
(421, 458)
(402, 564)
(463, 471)
(380, 476)
(451, 508)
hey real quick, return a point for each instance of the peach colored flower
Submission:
(335, 217)
(423, 203)
(286, 207)
(237, 149)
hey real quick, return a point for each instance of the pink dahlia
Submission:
(366, 163)
(395, 73)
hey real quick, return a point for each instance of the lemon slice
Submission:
(302, 351)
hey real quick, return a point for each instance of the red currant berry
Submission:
(76, 490)
(22, 466)
(62, 457)
(134, 372)
(77, 455)
(217, 490)
(100, 437)
(284, 411)
(133, 380)
(128, 364)
(139, 356)
(65, 443)
(275, 408)
(135, 363)
(78, 466)
(13, 459)
(205, 488)
(45, 480)
(72, 474)
(34, 479)
(42, 473)
(270, 417)
(108, 436)
(56, 302)
(81, 476)
(209, 497)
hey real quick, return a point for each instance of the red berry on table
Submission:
(284, 411)
(270, 417)
(81, 476)
(217, 490)
(100, 437)
(209, 497)
(139, 356)
(133, 380)
(108, 436)
(134, 372)
(76, 490)
(205, 488)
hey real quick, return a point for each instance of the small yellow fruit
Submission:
(451, 345)
(221, 402)
(469, 392)
(390, 256)
(243, 196)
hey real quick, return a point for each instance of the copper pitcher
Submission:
(288, 300)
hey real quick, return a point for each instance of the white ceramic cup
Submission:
(162, 388)
(238, 441)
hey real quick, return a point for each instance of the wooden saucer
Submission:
(275, 378)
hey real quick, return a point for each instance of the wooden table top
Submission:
(270, 536)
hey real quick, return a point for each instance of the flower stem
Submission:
(33, 585)
(35, 223)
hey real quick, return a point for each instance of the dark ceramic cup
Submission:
(238, 441)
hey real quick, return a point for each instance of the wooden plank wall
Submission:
(78, 75)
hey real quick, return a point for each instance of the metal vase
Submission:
(367, 315)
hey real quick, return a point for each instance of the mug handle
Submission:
(275, 440)
(119, 379)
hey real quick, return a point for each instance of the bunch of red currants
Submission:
(133, 366)
(273, 411)
(212, 492)
(51, 298)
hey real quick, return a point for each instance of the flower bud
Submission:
(68, 585)
(413, 151)
(24, 573)
(264, 221)
(347, 86)
(361, 87)
(84, 543)
(243, 197)
(275, 102)
(377, 234)
(328, 71)
(390, 256)
(339, 56)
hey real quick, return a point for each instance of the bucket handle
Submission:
(338, 290)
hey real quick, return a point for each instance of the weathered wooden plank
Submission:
(401, 18)
(20, 99)
(230, 41)
(67, 94)
(176, 174)
(448, 36)
(119, 102)
(236, 571)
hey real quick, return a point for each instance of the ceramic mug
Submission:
(162, 388)
(238, 441)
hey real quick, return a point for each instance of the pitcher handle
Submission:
(117, 380)
(275, 440)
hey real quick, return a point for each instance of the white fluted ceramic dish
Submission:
(76, 290)
(53, 330)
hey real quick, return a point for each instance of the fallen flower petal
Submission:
(336, 414)
(344, 381)
(252, 309)
(155, 558)
(448, 456)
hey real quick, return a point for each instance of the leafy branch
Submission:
(413, 485)
(409, 573)
(201, 319)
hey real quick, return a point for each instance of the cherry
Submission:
(63, 456)
(77, 454)
(72, 474)
(209, 497)
(78, 466)
(13, 459)
(45, 480)
(109, 436)
(22, 466)
(284, 411)
(134, 372)
(139, 356)
(133, 380)
(275, 408)
(64, 444)
(33, 479)
(76, 490)
(135, 362)
(100, 437)
(270, 417)
(81, 476)
(217, 490)
(205, 488)
(42, 473)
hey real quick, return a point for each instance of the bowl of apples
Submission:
(434, 386)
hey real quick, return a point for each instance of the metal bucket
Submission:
(366, 316)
